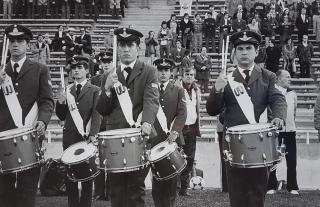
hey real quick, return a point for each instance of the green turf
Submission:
(208, 198)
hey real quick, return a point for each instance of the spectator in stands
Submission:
(273, 6)
(115, 7)
(305, 53)
(239, 24)
(213, 12)
(79, 9)
(89, 53)
(273, 57)
(315, 10)
(186, 61)
(302, 24)
(185, 7)
(108, 40)
(40, 51)
(287, 136)
(54, 6)
(260, 9)
(93, 7)
(304, 4)
(209, 30)
(47, 40)
(58, 40)
(172, 24)
(220, 15)
(269, 26)
(197, 35)
(164, 37)
(122, 5)
(151, 44)
(242, 11)
(20, 9)
(42, 8)
(30, 8)
(232, 6)
(69, 46)
(262, 53)
(289, 53)
(203, 64)
(254, 26)
(285, 27)
(187, 29)
(177, 55)
(83, 41)
(225, 29)
(65, 9)
(7, 9)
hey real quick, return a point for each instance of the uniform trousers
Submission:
(305, 69)
(189, 134)
(128, 188)
(24, 194)
(164, 192)
(74, 200)
(224, 183)
(289, 139)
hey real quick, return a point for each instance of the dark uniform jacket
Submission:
(202, 61)
(173, 104)
(209, 27)
(262, 92)
(302, 26)
(32, 85)
(85, 41)
(144, 94)
(86, 103)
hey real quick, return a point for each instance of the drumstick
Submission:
(4, 55)
(226, 55)
(222, 56)
(3, 48)
(114, 57)
(62, 78)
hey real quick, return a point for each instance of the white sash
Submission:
(15, 107)
(74, 111)
(242, 98)
(163, 121)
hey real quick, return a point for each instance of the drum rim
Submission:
(80, 161)
(244, 131)
(23, 168)
(173, 174)
(84, 179)
(119, 136)
(255, 165)
(128, 169)
(136, 131)
(29, 131)
(174, 145)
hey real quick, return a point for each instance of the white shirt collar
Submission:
(281, 89)
(123, 66)
(82, 83)
(242, 73)
(20, 62)
(164, 85)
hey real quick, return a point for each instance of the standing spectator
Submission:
(287, 136)
(69, 46)
(47, 40)
(289, 53)
(108, 40)
(259, 8)
(315, 9)
(203, 64)
(172, 24)
(54, 6)
(302, 24)
(221, 14)
(186, 61)
(213, 12)
(273, 5)
(273, 57)
(304, 4)
(185, 7)
(93, 7)
(115, 7)
(30, 8)
(79, 9)
(186, 27)
(7, 9)
(269, 26)
(164, 37)
(177, 55)
(262, 54)
(122, 5)
(40, 51)
(42, 8)
(285, 28)
(58, 39)
(239, 24)
(305, 53)
(83, 41)
(65, 9)
(232, 5)
(254, 26)
(151, 44)
(242, 11)
(209, 30)
(20, 9)
(198, 27)
(225, 29)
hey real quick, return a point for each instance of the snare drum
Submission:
(80, 160)
(166, 161)
(122, 150)
(19, 150)
(252, 145)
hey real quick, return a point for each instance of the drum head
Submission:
(161, 150)
(78, 152)
(249, 128)
(119, 133)
(15, 132)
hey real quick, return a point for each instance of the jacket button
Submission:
(17, 84)
(162, 106)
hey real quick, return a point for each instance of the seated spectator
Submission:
(151, 44)
(83, 41)
(177, 55)
(203, 64)
(254, 26)
(289, 53)
(305, 53)
(285, 28)
(40, 51)
(225, 26)
(172, 24)
(239, 24)
(273, 5)
(273, 57)
(269, 26)
(164, 36)
(47, 40)
(302, 24)
(242, 11)
(186, 61)
(232, 6)
(58, 39)
(108, 40)
(185, 7)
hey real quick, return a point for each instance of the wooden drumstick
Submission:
(222, 56)
(6, 47)
(114, 57)
(226, 55)
(62, 79)
(3, 48)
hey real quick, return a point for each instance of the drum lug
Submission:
(240, 138)
(242, 157)
(264, 157)
(261, 136)
(103, 143)
(227, 138)
(282, 150)
(269, 134)
(168, 158)
(19, 160)
(24, 138)
(228, 155)
(37, 155)
(158, 174)
(174, 167)
(122, 142)
(90, 170)
(1, 171)
(132, 139)
(124, 161)
(14, 141)
(142, 159)
(105, 164)
(97, 161)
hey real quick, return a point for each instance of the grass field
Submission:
(208, 198)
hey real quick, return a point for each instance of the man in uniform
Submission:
(173, 104)
(86, 98)
(31, 82)
(247, 186)
(128, 188)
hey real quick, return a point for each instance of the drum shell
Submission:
(169, 165)
(122, 153)
(252, 147)
(20, 152)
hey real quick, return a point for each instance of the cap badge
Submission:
(15, 31)
(245, 37)
(124, 33)
(164, 63)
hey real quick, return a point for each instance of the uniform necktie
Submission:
(15, 72)
(128, 70)
(247, 78)
(78, 89)
(161, 88)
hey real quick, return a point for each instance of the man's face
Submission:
(203, 50)
(40, 39)
(305, 38)
(303, 11)
(128, 52)
(284, 79)
(178, 44)
(106, 66)
(223, 9)
(245, 54)
(188, 77)
(79, 72)
(239, 15)
(18, 47)
(164, 75)
(164, 26)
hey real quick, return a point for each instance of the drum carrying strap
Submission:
(15, 107)
(242, 98)
(163, 121)
(74, 111)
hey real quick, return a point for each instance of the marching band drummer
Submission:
(85, 98)
(173, 104)
(128, 188)
(247, 186)
(31, 82)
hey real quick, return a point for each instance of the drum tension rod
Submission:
(1, 171)
(261, 136)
